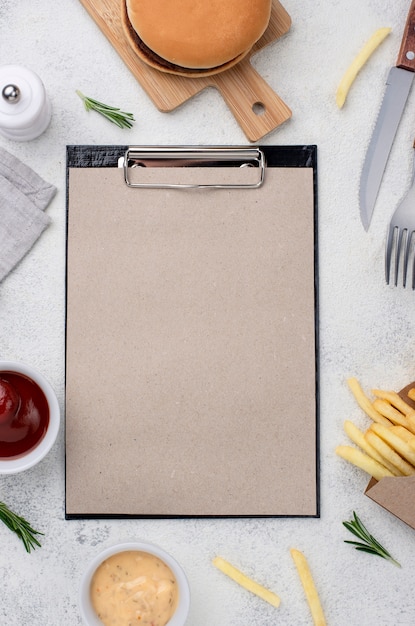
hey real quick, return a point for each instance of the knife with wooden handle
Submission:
(398, 86)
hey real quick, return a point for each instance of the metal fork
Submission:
(401, 238)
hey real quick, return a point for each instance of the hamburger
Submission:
(194, 37)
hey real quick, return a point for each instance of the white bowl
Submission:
(24, 462)
(87, 610)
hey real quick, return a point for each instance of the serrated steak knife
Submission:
(396, 94)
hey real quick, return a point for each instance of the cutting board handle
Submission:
(256, 107)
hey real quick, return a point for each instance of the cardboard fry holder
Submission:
(396, 495)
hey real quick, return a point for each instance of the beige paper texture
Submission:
(191, 369)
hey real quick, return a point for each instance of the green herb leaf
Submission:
(113, 114)
(370, 544)
(20, 526)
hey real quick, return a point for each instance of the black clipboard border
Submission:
(302, 156)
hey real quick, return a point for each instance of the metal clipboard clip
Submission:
(184, 156)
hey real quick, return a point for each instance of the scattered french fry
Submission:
(364, 402)
(362, 460)
(411, 393)
(358, 62)
(226, 568)
(309, 587)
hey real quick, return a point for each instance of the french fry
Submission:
(395, 442)
(359, 439)
(358, 62)
(309, 587)
(246, 582)
(403, 433)
(389, 453)
(411, 422)
(395, 399)
(364, 402)
(387, 448)
(365, 462)
(386, 409)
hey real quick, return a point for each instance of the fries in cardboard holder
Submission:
(386, 450)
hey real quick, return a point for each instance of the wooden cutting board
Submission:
(256, 107)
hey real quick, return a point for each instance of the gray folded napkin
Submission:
(23, 197)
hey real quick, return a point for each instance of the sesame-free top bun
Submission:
(199, 34)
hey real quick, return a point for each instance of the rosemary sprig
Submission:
(370, 544)
(113, 114)
(20, 526)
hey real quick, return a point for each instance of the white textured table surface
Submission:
(367, 329)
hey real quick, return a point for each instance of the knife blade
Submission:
(398, 86)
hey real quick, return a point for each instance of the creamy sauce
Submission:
(134, 588)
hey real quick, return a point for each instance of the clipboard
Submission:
(192, 332)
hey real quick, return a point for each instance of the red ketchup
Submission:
(24, 414)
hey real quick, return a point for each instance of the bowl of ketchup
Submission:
(29, 417)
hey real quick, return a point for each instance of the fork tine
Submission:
(388, 255)
(412, 241)
(409, 253)
(405, 240)
(400, 237)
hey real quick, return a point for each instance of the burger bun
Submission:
(194, 37)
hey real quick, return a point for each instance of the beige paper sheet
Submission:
(191, 370)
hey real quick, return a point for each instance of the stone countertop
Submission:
(367, 328)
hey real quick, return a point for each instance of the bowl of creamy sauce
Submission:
(29, 417)
(134, 584)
